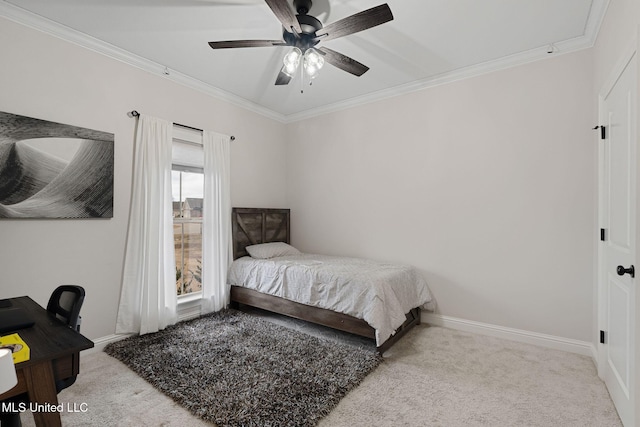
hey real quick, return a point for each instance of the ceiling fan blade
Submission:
(343, 62)
(356, 23)
(246, 43)
(283, 78)
(285, 15)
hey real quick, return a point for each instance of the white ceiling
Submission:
(428, 42)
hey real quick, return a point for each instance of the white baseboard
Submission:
(558, 343)
(584, 348)
(100, 343)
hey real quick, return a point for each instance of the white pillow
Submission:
(270, 250)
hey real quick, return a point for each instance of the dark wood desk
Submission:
(55, 354)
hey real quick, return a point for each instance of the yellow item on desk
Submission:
(19, 348)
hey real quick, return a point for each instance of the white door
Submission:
(617, 253)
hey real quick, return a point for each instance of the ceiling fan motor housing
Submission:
(309, 25)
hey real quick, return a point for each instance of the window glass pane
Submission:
(177, 238)
(187, 192)
(187, 189)
(175, 193)
(188, 244)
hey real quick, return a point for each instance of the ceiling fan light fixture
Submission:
(291, 61)
(302, 32)
(312, 62)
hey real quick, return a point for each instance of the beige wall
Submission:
(487, 185)
(484, 184)
(618, 30)
(47, 78)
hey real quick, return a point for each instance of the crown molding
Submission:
(596, 16)
(445, 78)
(586, 41)
(60, 31)
(29, 19)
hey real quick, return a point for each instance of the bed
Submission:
(380, 301)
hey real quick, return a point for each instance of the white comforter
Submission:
(379, 293)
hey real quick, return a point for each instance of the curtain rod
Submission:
(134, 113)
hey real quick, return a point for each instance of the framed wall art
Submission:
(54, 170)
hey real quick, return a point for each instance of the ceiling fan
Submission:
(303, 32)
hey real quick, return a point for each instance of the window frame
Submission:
(182, 135)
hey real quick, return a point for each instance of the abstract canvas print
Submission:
(53, 170)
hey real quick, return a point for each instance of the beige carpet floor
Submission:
(432, 377)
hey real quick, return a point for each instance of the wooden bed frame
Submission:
(252, 226)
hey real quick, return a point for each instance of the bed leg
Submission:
(413, 319)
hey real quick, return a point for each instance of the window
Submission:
(187, 229)
(187, 178)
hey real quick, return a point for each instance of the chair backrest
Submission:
(65, 303)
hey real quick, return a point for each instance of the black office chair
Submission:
(65, 303)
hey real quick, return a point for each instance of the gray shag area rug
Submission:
(235, 369)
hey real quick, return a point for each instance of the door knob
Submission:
(631, 271)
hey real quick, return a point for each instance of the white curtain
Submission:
(148, 298)
(216, 222)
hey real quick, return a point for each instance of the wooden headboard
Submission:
(251, 226)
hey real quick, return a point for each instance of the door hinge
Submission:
(603, 234)
(603, 132)
(602, 340)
